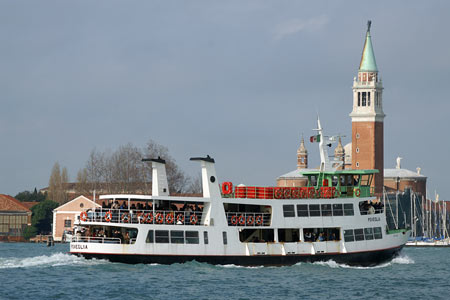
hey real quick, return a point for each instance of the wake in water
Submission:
(54, 260)
(401, 260)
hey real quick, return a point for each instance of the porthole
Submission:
(81, 205)
(357, 164)
(357, 149)
(357, 135)
(212, 178)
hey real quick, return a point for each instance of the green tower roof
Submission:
(368, 62)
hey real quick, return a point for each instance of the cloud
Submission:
(295, 26)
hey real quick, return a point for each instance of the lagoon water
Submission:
(35, 271)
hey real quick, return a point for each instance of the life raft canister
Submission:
(83, 216)
(227, 188)
(287, 193)
(278, 193)
(108, 216)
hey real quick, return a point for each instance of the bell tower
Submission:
(368, 117)
(302, 156)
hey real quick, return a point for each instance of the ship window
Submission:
(321, 234)
(348, 209)
(337, 210)
(162, 236)
(348, 235)
(377, 233)
(368, 233)
(192, 237)
(302, 210)
(224, 236)
(314, 210)
(288, 235)
(257, 236)
(334, 180)
(177, 237)
(326, 210)
(149, 238)
(359, 235)
(366, 179)
(288, 211)
(205, 237)
(67, 223)
(359, 98)
(368, 98)
(313, 181)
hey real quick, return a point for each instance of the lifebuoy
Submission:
(83, 216)
(287, 193)
(259, 220)
(234, 220)
(241, 220)
(278, 193)
(227, 188)
(108, 216)
(250, 220)
(193, 219)
(169, 218)
(180, 218)
(357, 192)
(159, 218)
(125, 218)
(149, 218)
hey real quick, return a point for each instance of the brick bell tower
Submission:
(367, 116)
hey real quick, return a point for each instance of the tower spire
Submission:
(368, 63)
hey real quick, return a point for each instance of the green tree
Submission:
(42, 216)
(27, 196)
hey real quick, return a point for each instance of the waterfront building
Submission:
(14, 218)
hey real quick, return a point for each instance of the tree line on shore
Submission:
(107, 172)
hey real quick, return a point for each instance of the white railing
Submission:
(160, 217)
(102, 240)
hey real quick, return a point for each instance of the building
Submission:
(65, 215)
(294, 178)
(368, 117)
(14, 219)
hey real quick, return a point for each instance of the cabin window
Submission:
(161, 236)
(348, 209)
(302, 210)
(359, 235)
(377, 233)
(366, 179)
(326, 210)
(288, 211)
(356, 180)
(348, 235)
(205, 237)
(192, 237)
(368, 98)
(368, 233)
(67, 223)
(334, 180)
(321, 234)
(177, 237)
(337, 210)
(224, 237)
(150, 237)
(313, 181)
(359, 98)
(314, 210)
(288, 235)
(257, 236)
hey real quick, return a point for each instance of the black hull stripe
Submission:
(366, 258)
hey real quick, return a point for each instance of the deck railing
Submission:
(101, 240)
(159, 217)
(248, 219)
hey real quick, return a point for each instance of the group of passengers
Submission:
(370, 207)
(101, 235)
(323, 236)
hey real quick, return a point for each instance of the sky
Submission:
(238, 80)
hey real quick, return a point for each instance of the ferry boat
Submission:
(335, 217)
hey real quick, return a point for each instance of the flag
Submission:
(315, 138)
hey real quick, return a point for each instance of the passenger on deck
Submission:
(321, 237)
(133, 206)
(104, 204)
(308, 236)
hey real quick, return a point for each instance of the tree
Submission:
(27, 196)
(57, 184)
(42, 217)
